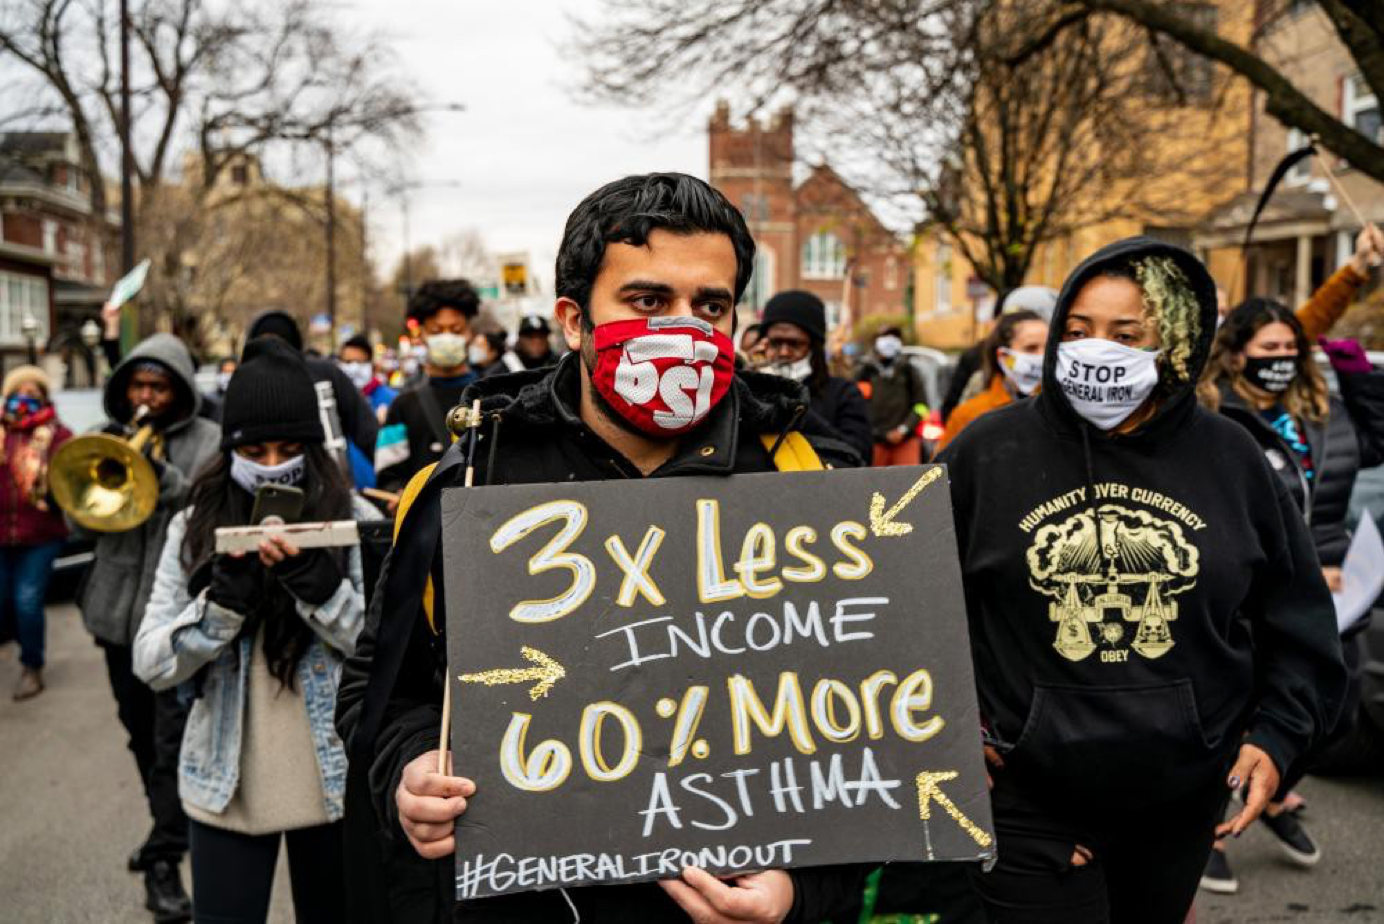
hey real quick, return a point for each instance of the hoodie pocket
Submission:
(1133, 744)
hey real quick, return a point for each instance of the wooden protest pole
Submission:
(473, 423)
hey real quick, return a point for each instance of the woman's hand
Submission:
(1369, 250)
(1256, 768)
(761, 898)
(1335, 579)
(277, 549)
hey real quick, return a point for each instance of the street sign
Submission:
(740, 673)
(515, 277)
(128, 286)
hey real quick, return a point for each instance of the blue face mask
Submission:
(22, 406)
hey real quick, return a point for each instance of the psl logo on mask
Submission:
(638, 380)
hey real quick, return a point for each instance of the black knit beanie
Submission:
(799, 308)
(270, 397)
(276, 323)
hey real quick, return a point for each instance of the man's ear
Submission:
(569, 315)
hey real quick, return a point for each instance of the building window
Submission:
(755, 207)
(50, 236)
(1302, 170)
(834, 315)
(1175, 74)
(240, 174)
(824, 257)
(891, 273)
(21, 295)
(761, 284)
(1360, 108)
(943, 278)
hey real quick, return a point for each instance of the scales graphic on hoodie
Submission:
(1113, 571)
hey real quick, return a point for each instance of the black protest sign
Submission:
(755, 672)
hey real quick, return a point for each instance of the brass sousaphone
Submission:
(104, 483)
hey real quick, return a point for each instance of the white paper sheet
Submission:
(1362, 574)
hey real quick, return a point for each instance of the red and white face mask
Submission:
(664, 374)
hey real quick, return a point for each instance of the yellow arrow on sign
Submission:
(929, 792)
(882, 521)
(547, 672)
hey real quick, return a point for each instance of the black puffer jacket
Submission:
(389, 704)
(842, 407)
(1351, 438)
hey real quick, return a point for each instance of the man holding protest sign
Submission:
(644, 260)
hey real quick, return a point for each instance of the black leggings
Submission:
(1144, 867)
(233, 874)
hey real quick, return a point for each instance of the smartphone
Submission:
(275, 504)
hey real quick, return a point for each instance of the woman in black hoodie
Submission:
(1261, 374)
(1112, 593)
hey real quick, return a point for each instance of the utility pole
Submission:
(331, 231)
(129, 327)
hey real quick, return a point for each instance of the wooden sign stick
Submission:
(474, 424)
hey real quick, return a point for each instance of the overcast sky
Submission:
(523, 153)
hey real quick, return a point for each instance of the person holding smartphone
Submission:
(261, 636)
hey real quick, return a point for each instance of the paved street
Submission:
(72, 810)
(72, 805)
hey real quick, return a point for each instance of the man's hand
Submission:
(761, 898)
(896, 435)
(1256, 768)
(429, 804)
(1335, 579)
(110, 318)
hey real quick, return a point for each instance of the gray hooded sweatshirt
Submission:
(116, 590)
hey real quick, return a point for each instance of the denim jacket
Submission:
(180, 634)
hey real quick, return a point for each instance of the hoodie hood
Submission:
(1176, 399)
(169, 352)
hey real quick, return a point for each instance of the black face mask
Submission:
(1272, 374)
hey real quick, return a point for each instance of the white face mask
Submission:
(446, 350)
(223, 380)
(797, 371)
(1105, 381)
(477, 354)
(888, 346)
(1023, 370)
(360, 374)
(252, 476)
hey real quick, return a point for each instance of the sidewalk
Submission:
(70, 798)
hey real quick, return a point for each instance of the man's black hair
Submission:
(436, 294)
(359, 342)
(628, 210)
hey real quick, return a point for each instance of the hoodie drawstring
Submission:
(494, 444)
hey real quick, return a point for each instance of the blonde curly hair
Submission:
(1170, 302)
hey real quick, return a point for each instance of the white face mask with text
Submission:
(1105, 381)
(1023, 370)
(252, 475)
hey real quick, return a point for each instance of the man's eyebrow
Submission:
(710, 293)
(641, 285)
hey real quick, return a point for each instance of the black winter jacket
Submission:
(389, 704)
(842, 407)
(1138, 602)
(1351, 438)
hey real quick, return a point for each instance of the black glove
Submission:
(237, 583)
(311, 576)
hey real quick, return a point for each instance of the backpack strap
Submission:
(795, 453)
(411, 492)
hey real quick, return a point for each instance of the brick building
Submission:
(53, 253)
(810, 234)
